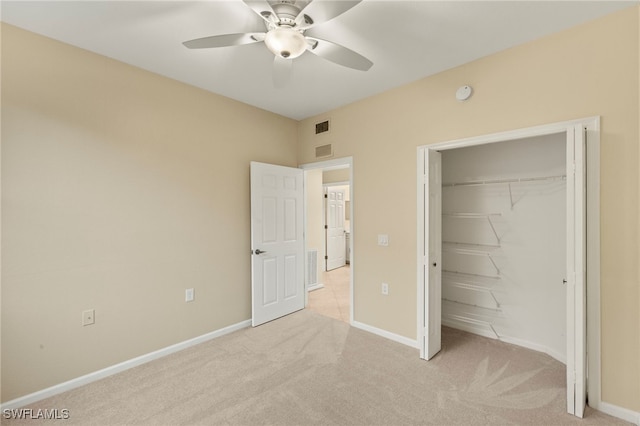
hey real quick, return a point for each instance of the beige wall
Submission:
(338, 175)
(120, 189)
(589, 70)
(315, 215)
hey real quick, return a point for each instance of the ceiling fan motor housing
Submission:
(282, 38)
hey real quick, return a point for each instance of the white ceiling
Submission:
(406, 40)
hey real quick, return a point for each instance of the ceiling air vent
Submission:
(322, 127)
(324, 151)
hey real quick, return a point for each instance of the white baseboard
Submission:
(383, 333)
(117, 368)
(315, 287)
(619, 412)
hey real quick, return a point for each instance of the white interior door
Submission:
(576, 271)
(433, 258)
(277, 244)
(334, 226)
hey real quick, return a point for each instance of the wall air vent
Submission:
(324, 151)
(322, 127)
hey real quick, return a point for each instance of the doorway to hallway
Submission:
(332, 300)
(329, 284)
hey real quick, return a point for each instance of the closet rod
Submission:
(452, 246)
(471, 215)
(469, 274)
(514, 180)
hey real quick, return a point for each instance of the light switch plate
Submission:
(383, 240)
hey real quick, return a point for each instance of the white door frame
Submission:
(589, 317)
(337, 163)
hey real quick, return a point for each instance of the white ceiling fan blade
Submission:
(224, 40)
(322, 11)
(282, 70)
(338, 54)
(263, 9)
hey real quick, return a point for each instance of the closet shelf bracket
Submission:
(511, 196)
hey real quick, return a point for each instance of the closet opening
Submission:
(503, 241)
(504, 222)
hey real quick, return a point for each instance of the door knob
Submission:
(258, 251)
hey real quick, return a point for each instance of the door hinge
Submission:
(326, 196)
(326, 258)
(326, 227)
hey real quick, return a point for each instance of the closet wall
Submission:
(504, 248)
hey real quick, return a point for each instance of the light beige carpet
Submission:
(306, 369)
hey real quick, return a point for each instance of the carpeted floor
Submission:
(307, 369)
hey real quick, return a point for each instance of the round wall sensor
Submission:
(464, 93)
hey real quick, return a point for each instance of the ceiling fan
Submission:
(286, 22)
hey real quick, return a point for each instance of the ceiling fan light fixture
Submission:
(286, 42)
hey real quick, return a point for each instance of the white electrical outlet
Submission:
(88, 317)
(385, 289)
(189, 295)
